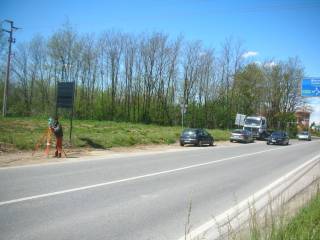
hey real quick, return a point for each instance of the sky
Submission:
(268, 29)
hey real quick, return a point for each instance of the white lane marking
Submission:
(132, 178)
(201, 230)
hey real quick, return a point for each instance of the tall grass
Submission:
(280, 222)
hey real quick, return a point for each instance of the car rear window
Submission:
(238, 131)
(189, 133)
(277, 134)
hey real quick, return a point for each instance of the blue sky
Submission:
(273, 29)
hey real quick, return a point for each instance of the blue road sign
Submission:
(310, 87)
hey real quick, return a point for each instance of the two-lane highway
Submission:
(139, 197)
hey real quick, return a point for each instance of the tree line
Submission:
(145, 77)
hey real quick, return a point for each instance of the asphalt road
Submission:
(140, 197)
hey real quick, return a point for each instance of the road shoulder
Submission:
(23, 158)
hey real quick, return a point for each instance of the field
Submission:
(24, 133)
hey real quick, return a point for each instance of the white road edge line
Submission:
(213, 223)
(131, 178)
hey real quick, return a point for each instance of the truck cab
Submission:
(257, 125)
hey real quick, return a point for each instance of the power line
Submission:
(6, 83)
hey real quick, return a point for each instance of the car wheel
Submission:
(200, 143)
(211, 143)
(181, 144)
(268, 143)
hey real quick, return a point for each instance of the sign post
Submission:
(65, 99)
(240, 119)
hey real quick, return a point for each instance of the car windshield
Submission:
(304, 133)
(238, 131)
(252, 121)
(189, 133)
(277, 134)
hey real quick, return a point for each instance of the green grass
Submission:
(315, 133)
(24, 133)
(304, 225)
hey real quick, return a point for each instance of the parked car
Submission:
(304, 136)
(240, 135)
(196, 136)
(278, 137)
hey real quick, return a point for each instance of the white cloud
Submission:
(201, 54)
(270, 64)
(249, 54)
(315, 115)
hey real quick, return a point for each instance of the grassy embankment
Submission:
(304, 225)
(24, 133)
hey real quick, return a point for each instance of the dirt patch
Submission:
(12, 157)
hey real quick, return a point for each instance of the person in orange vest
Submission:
(56, 128)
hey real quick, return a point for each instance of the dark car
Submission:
(240, 135)
(196, 136)
(278, 137)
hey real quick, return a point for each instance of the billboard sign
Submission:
(310, 87)
(240, 119)
(65, 94)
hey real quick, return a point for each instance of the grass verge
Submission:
(281, 224)
(24, 133)
(305, 225)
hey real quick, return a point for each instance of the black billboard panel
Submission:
(65, 94)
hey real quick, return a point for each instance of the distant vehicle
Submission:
(304, 136)
(257, 125)
(278, 137)
(196, 136)
(240, 135)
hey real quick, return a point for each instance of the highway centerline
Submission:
(18, 200)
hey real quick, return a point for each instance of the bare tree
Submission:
(143, 78)
(113, 45)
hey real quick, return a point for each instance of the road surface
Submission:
(139, 197)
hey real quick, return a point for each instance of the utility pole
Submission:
(6, 83)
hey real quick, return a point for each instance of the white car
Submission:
(304, 136)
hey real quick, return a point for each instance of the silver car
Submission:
(240, 135)
(304, 136)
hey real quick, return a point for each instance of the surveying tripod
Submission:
(45, 139)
